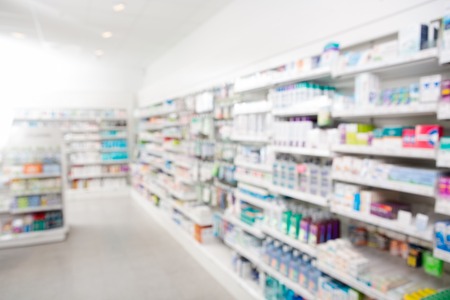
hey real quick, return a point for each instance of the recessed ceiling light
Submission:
(107, 34)
(18, 35)
(99, 52)
(118, 7)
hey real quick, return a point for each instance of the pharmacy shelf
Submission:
(33, 238)
(36, 192)
(353, 282)
(443, 112)
(96, 139)
(303, 151)
(115, 128)
(254, 258)
(104, 175)
(256, 181)
(175, 149)
(245, 108)
(441, 254)
(253, 230)
(318, 73)
(254, 201)
(416, 153)
(16, 211)
(417, 61)
(302, 247)
(109, 192)
(155, 189)
(392, 225)
(182, 163)
(422, 109)
(160, 112)
(306, 197)
(189, 214)
(212, 256)
(152, 126)
(151, 140)
(305, 108)
(187, 181)
(250, 138)
(182, 196)
(105, 150)
(442, 207)
(387, 185)
(112, 162)
(34, 176)
(258, 167)
(154, 152)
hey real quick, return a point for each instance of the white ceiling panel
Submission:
(142, 32)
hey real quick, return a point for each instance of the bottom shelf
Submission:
(212, 256)
(33, 238)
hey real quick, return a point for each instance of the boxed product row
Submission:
(252, 125)
(80, 126)
(202, 234)
(37, 185)
(93, 157)
(370, 268)
(168, 106)
(308, 175)
(99, 170)
(32, 169)
(300, 132)
(301, 93)
(252, 154)
(36, 201)
(381, 204)
(68, 114)
(104, 183)
(31, 222)
(380, 172)
(422, 136)
(411, 254)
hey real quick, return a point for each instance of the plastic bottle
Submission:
(304, 229)
(305, 269)
(267, 250)
(296, 218)
(314, 276)
(276, 256)
(294, 266)
(285, 260)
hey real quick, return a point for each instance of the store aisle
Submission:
(114, 251)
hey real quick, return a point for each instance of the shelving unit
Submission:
(253, 230)
(429, 154)
(314, 199)
(303, 151)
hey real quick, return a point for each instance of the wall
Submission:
(33, 76)
(250, 35)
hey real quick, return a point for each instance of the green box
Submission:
(432, 265)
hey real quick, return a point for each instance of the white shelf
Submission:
(35, 209)
(442, 207)
(258, 107)
(353, 282)
(318, 73)
(34, 176)
(417, 153)
(429, 56)
(98, 150)
(258, 167)
(155, 189)
(33, 238)
(97, 139)
(104, 175)
(113, 162)
(256, 181)
(154, 152)
(35, 192)
(151, 140)
(306, 108)
(189, 214)
(115, 128)
(302, 247)
(151, 126)
(392, 225)
(188, 181)
(254, 201)
(441, 254)
(303, 151)
(255, 231)
(103, 192)
(250, 138)
(388, 185)
(182, 196)
(176, 149)
(212, 256)
(314, 199)
(387, 111)
(182, 163)
(161, 112)
(254, 258)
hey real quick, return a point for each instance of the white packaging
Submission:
(367, 88)
(430, 88)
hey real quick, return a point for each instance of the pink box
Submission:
(409, 137)
(428, 136)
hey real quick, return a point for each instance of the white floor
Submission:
(114, 251)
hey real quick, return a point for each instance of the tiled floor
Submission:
(114, 251)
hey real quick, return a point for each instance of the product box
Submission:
(387, 210)
(385, 51)
(444, 143)
(392, 136)
(430, 88)
(203, 234)
(412, 39)
(367, 89)
(32, 168)
(445, 90)
(428, 136)
(375, 196)
(409, 138)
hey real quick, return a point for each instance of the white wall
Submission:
(250, 35)
(33, 76)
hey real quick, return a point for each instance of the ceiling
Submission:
(141, 33)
